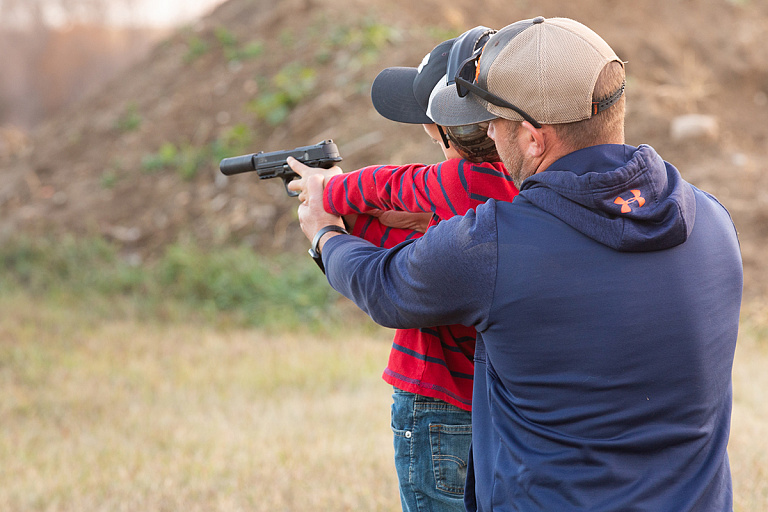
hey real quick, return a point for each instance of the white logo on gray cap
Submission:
(424, 62)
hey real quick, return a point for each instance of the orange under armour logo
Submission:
(637, 198)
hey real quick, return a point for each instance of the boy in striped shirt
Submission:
(430, 369)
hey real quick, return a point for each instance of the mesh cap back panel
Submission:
(549, 71)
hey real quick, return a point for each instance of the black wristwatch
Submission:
(314, 251)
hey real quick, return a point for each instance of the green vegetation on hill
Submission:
(232, 286)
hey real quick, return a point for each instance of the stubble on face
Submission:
(505, 134)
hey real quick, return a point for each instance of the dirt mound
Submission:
(137, 162)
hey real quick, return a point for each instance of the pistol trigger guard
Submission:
(290, 193)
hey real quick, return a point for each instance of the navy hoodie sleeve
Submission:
(445, 277)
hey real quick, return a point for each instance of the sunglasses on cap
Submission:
(465, 83)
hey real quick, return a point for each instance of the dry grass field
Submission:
(125, 415)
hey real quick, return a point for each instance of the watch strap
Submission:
(314, 251)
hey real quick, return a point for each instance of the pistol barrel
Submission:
(237, 164)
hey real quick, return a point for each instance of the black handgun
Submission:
(324, 154)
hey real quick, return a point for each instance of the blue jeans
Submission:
(432, 439)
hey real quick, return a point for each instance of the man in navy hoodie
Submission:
(606, 296)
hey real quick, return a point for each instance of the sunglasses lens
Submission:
(460, 90)
(467, 72)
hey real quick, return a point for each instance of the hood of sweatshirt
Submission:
(624, 197)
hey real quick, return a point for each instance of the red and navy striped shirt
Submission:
(434, 361)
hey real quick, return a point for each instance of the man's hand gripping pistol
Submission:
(324, 154)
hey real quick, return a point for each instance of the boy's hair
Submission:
(472, 142)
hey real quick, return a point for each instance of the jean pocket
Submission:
(450, 451)
(402, 414)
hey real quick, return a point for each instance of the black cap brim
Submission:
(392, 96)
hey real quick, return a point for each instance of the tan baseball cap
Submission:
(542, 69)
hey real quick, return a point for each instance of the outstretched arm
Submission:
(438, 188)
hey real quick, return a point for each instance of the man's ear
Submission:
(534, 140)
